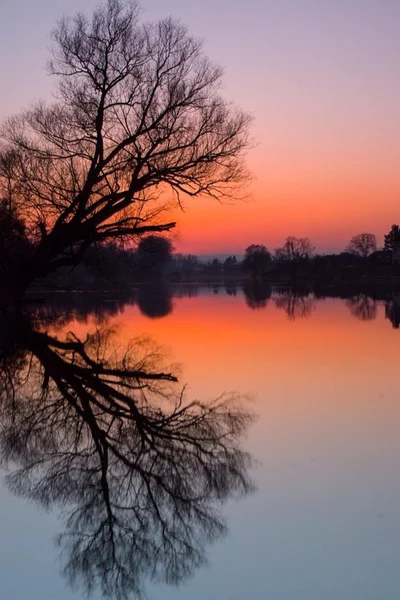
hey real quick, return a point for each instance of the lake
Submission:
(321, 377)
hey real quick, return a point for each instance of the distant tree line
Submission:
(297, 255)
(107, 264)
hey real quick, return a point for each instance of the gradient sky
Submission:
(322, 81)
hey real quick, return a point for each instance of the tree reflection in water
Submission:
(362, 307)
(154, 300)
(257, 294)
(139, 472)
(392, 310)
(296, 303)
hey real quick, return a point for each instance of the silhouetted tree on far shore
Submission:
(231, 265)
(214, 267)
(392, 238)
(153, 254)
(392, 243)
(256, 260)
(392, 310)
(362, 244)
(295, 250)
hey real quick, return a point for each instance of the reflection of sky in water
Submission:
(325, 522)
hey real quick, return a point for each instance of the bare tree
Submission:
(295, 249)
(138, 113)
(362, 244)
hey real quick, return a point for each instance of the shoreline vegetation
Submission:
(109, 268)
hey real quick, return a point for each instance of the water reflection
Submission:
(109, 436)
(155, 300)
(103, 432)
(257, 294)
(231, 289)
(392, 310)
(362, 307)
(295, 303)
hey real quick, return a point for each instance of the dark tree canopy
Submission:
(256, 259)
(362, 244)
(138, 113)
(392, 239)
(14, 252)
(154, 252)
(13, 240)
(230, 264)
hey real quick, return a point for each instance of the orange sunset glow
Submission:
(328, 199)
(321, 82)
(263, 343)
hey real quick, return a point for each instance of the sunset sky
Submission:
(321, 79)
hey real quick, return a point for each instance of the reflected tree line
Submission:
(109, 436)
(155, 300)
(301, 303)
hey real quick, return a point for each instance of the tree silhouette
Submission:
(230, 266)
(138, 113)
(392, 240)
(139, 472)
(362, 244)
(256, 260)
(155, 249)
(295, 250)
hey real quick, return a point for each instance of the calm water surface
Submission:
(323, 376)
